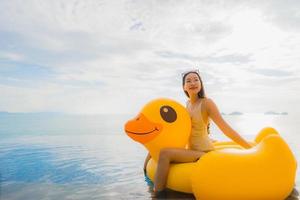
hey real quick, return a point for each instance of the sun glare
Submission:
(251, 30)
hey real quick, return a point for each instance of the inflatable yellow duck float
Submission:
(265, 172)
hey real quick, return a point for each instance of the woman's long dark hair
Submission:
(201, 93)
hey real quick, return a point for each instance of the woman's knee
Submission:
(165, 154)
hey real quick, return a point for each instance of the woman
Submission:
(201, 109)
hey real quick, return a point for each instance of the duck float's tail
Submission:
(267, 171)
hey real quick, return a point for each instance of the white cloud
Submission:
(106, 55)
(11, 56)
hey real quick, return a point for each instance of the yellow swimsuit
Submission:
(199, 139)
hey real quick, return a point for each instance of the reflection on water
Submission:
(58, 160)
(74, 167)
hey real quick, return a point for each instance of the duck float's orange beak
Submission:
(142, 129)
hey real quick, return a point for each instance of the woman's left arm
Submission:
(214, 114)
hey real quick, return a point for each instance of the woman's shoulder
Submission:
(207, 102)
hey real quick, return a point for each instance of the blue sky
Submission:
(114, 56)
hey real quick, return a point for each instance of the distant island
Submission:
(265, 113)
(235, 113)
(275, 113)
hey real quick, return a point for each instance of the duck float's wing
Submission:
(266, 171)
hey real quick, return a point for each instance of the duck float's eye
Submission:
(168, 114)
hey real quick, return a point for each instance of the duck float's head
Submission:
(161, 123)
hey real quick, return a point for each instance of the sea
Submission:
(61, 156)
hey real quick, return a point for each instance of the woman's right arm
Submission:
(146, 161)
(215, 115)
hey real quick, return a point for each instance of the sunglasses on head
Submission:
(190, 71)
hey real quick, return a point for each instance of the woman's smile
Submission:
(193, 88)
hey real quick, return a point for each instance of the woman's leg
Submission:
(167, 156)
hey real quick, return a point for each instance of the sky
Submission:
(109, 56)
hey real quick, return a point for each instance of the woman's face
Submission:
(192, 84)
